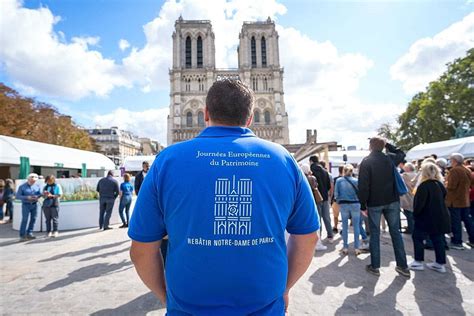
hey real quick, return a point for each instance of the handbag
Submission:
(399, 183)
(317, 195)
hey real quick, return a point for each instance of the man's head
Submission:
(456, 159)
(51, 179)
(377, 143)
(32, 178)
(229, 103)
(314, 159)
(110, 173)
(145, 166)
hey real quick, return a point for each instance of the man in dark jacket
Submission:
(141, 176)
(379, 195)
(108, 189)
(324, 186)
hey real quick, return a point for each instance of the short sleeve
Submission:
(147, 222)
(304, 218)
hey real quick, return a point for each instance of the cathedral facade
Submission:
(194, 71)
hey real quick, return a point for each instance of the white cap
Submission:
(33, 176)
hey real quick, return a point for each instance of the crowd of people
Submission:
(48, 197)
(436, 198)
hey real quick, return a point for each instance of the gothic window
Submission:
(188, 52)
(253, 50)
(201, 119)
(189, 119)
(267, 117)
(265, 84)
(256, 117)
(263, 45)
(199, 52)
(254, 84)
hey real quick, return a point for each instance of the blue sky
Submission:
(365, 57)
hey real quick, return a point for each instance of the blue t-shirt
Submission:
(224, 199)
(126, 188)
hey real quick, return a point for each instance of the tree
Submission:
(27, 118)
(447, 103)
(389, 132)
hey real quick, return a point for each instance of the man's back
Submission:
(376, 180)
(324, 182)
(225, 215)
(107, 188)
(459, 183)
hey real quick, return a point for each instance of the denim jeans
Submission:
(391, 212)
(51, 214)
(106, 206)
(410, 220)
(362, 231)
(350, 211)
(28, 210)
(125, 203)
(9, 209)
(438, 244)
(459, 215)
(323, 210)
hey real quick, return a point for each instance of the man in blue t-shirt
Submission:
(225, 213)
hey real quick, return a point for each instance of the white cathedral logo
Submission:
(233, 207)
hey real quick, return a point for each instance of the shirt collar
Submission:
(226, 131)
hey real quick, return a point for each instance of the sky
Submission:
(349, 65)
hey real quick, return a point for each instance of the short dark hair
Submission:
(230, 102)
(110, 173)
(377, 143)
(145, 163)
(314, 158)
(341, 169)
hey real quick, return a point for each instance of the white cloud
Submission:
(426, 59)
(321, 83)
(123, 44)
(38, 60)
(149, 123)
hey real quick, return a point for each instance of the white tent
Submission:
(134, 163)
(47, 155)
(443, 149)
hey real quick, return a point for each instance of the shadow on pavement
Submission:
(86, 273)
(139, 306)
(84, 251)
(105, 255)
(437, 293)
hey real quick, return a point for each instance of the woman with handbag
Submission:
(51, 192)
(313, 183)
(431, 218)
(349, 207)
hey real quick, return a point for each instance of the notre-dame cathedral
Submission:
(194, 71)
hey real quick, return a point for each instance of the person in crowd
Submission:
(378, 195)
(28, 193)
(334, 205)
(406, 200)
(141, 176)
(126, 193)
(346, 194)
(8, 197)
(313, 183)
(192, 206)
(431, 218)
(471, 190)
(2, 200)
(108, 189)
(442, 164)
(324, 186)
(459, 182)
(52, 192)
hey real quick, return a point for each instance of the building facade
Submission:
(194, 71)
(115, 143)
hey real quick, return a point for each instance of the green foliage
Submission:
(434, 115)
(29, 119)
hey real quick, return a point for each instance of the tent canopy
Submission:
(443, 149)
(47, 155)
(134, 163)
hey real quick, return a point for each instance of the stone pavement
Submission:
(88, 272)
